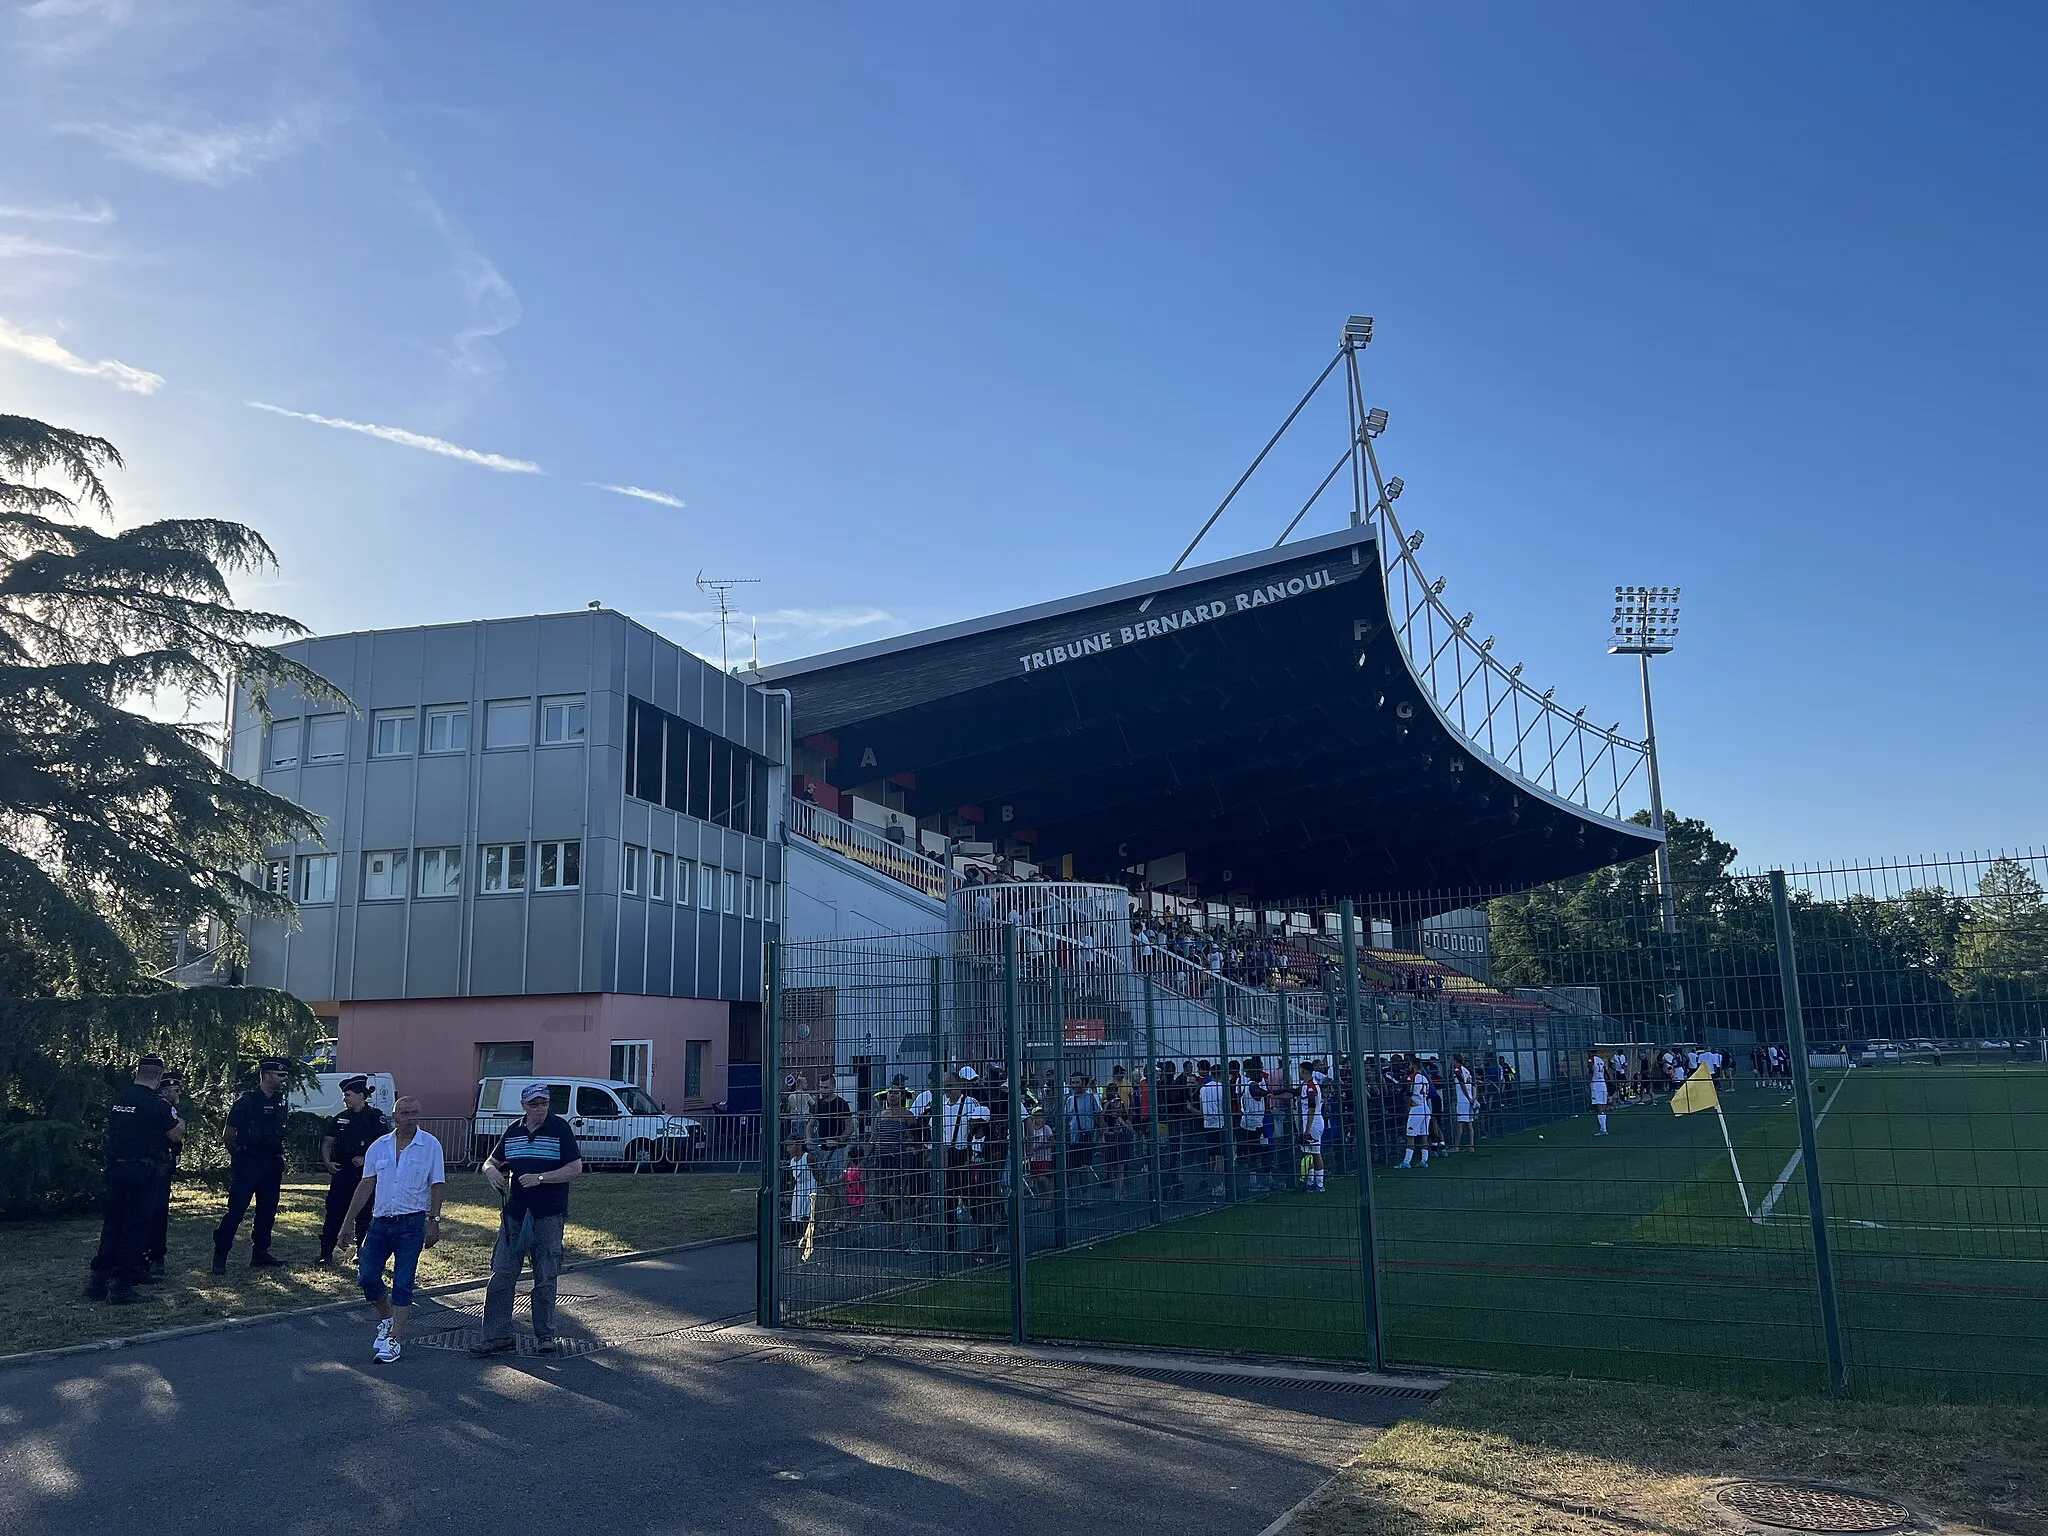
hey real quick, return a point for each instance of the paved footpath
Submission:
(673, 1416)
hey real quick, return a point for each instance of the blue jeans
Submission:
(401, 1237)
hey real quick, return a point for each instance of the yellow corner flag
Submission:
(1695, 1093)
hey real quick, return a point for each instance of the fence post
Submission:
(1153, 1172)
(1334, 1131)
(767, 1228)
(1361, 1118)
(1015, 1066)
(1057, 1092)
(1223, 1092)
(942, 1230)
(1809, 1142)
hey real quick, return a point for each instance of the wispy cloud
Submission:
(493, 302)
(21, 245)
(52, 353)
(407, 439)
(211, 153)
(638, 491)
(60, 213)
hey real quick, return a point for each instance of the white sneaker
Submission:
(387, 1350)
(383, 1337)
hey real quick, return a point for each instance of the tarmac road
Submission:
(672, 1421)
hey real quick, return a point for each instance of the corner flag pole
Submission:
(1697, 1093)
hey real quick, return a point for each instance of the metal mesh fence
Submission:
(1600, 1151)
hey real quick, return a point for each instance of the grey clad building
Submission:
(552, 845)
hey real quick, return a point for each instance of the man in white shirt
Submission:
(404, 1178)
(1600, 1091)
(1214, 1124)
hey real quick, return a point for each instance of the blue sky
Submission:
(922, 311)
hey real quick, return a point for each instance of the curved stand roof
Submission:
(1259, 715)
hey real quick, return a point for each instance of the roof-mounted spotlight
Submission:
(1395, 488)
(1414, 541)
(1436, 588)
(1375, 422)
(1358, 331)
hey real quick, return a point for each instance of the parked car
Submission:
(323, 1097)
(614, 1122)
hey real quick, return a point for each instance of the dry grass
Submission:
(1517, 1456)
(43, 1305)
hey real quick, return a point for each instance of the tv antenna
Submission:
(720, 590)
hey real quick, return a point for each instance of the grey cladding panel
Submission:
(661, 931)
(503, 785)
(379, 949)
(395, 669)
(435, 968)
(443, 800)
(387, 803)
(554, 944)
(510, 659)
(666, 678)
(448, 665)
(497, 928)
(632, 944)
(569, 653)
(320, 790)
(559, 795)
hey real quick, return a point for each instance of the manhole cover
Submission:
(1793, 1508)
(526, 1345)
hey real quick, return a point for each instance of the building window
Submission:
(318, 875)
(633, 1062)
(392, 733)
(732, 893)
(277, 876)
(440, 871)
(629, 869)
(560, 865)
(753, 896)
(561, 720)
(657, 877)
(384, 874)
(326, 738)
(284, 744)
(693, 1068)
(504, 866)
(707, 888)
(508, 1058)
(448, 728)
(508, 723)
(684, 870)
(768, 901)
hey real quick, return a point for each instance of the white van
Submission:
(614, 1122)
(323, 1097)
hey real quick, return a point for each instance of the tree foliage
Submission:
(118, 821)
(1925, 961)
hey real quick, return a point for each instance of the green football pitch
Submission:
(1624, 1256)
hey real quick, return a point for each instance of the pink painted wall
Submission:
(429, 1045)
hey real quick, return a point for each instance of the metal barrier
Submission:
(864, 845)
(1800, 1143)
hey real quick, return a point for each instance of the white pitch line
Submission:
(1771, 1200)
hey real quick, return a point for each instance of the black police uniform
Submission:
(257, 1159)
(138, 1127)
(160, 1231)
(352, 1132)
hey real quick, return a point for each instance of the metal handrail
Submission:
(850, 839)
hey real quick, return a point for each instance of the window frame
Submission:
(296, 733)
(695, 1054)
(732, 893)
(400, 874)
(330, 863)
(631, 857)
(707, 888)
(509, 853)
(525, 705)
(439, 712)
(752, 907)
(685, 891)
(579, 703)
(306, 741)
(439, 856)
(657, 875)
(645, 1048)
(562, 856)
(409, 739)
(277, 876)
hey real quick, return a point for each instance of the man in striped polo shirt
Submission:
(531, 1166)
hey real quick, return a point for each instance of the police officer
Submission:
(170, 1090)
(348, 1138)
(255, 1141)
(140, 1129)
